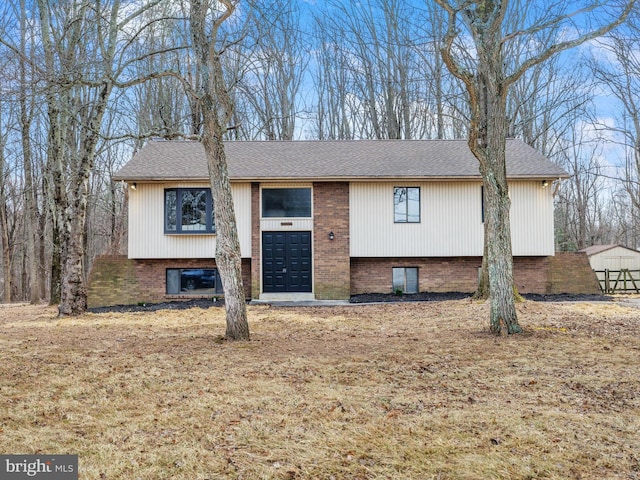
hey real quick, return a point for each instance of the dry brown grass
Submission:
(405, 391)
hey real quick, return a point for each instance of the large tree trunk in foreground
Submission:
(499, 259)
(487, 80)
(217, 111)
(73, 292)
(228, 257)
(487, 141)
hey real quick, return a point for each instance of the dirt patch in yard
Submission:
(386, 391)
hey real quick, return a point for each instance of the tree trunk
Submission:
(217, 110)
(499, 259)
(487, 83)
(73, 294)
(487, 141)
(57, 200)
(487, 89)
(228, 257)
(6, 250)
(73, 297)
(4, 227)
(31, 220)
(482, 292)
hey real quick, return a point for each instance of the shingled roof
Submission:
(163, 160)
(595, 249)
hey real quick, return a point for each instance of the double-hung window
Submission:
(188, 210)
(406, 204)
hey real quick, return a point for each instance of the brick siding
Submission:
(373, 275)
(563, 273)
(571, 273)
(117, 280)
(256, 265)
(331, 257)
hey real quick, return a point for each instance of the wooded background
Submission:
(85, 83)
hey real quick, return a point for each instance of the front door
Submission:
(286, 262)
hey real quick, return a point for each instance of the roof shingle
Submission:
(325, 160)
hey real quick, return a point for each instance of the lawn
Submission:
(394, 391)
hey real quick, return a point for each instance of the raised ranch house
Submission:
(331, 219)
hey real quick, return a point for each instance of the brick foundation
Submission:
(373, 275)
(563, 273)
(571, 273)
(117, 280)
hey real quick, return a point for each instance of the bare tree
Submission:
(335, 119)
(582, 199)
(271, 65)
(217, 112)
(447, 112)
(618, 70)
(84, 55)
(5, 229)
(487, 77)
(369, 70)
(26, 102)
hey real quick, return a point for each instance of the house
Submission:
(327, 220)
(617, 267)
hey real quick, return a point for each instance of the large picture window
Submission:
(406, 204)
(188, 210)
(286, 202)
(193, 281)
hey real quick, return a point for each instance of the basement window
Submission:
(405, 280)
(193, 281)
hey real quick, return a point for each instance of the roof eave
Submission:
(380, 178)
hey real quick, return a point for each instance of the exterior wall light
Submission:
(331, 236)
(545, 184)
(134, 185)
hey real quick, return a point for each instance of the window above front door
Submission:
(286, 203)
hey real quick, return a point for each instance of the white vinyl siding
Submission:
(450, 223)
(146, 224)
(531, 219)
